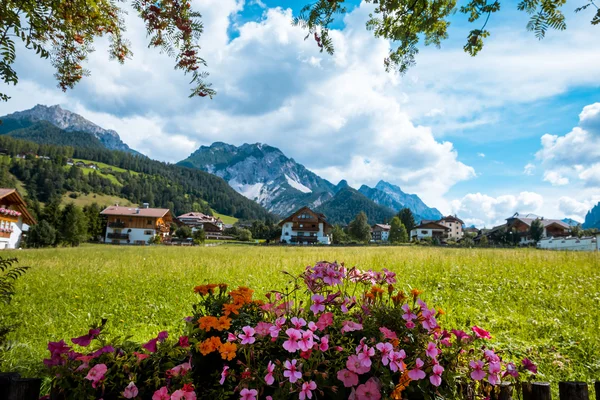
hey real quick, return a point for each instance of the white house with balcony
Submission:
(431, 230)
(134, 225)
(305, 227)
(14, 218)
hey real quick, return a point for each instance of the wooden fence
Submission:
(13, 387)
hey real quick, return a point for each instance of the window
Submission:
(424, 232)
(287, 234)
(149, 222)
(148, 232)
(300, 233)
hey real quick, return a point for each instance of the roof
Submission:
(385, 227)
(136, 212)
(545, 222)
(451, 218)
(12, 196)
(320, 217)
(432, 225)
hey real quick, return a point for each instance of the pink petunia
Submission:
(292, 372)
(385, 349)
(131, 391)
(275, 329)
(368, 391)
(224, 375)
(184, 342)
(291, 344)
(365, 353)
(410, 324)
(354, 364)
(478, 373)
(348, 377)
(263, 328)
(298, 322)
(511, 369)
(162, 336)
(350, 326)
(248, 394)
(306, 390)
(186, 393)
(85, 340)
(432, 351)
(491, 356)
(417, 373)
(388, 333)
(248, 335)
(325, 320)
(305, 343)
(96, 374)
(151, 345)
(408, 314)
(318, 304)
(397, 360)
(460, 335)
(161, 394)
(269, 379)
(531, 367)
(481, 333)
(180, 370)
(429, 322)
(436, 378)
(324, 343)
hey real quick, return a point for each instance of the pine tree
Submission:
(397, 232)
(73, 226)
(41, 235)
(95, 224)
(407, 218)
(359, 229)
(536, 230)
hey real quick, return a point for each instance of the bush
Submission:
(333, 333)
(9, 273)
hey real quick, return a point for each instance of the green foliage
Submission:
(348, 202)
(397, 232)
(244, 235)
(577, 231)
(338, 235)
(536, 230)
(183, 232)
(44, 132)
(359, 229)
(199, 236)
(408, 219)
(41, 235)
(65, 32)
(483, 242)
(73, 226)
(95, 223)
(9, 273)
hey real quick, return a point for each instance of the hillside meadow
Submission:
(545, 305)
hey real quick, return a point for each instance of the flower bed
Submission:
(334, 333)
(8, 212)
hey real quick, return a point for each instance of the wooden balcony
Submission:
(117, 224)
(304, 239)
(306, 227)
(119, 236)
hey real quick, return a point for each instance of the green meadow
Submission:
(545, 305)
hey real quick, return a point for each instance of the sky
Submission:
(514, 129)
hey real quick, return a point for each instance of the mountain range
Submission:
(281, 185)
(31, 125)
(592, 218)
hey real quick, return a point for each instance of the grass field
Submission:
(100, 199)
(225, 218)
(542, 304)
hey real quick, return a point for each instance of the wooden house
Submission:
(380, 233)
(126, 225)
(14, 217)
(429, 229)
(305, 227)
(456, 226)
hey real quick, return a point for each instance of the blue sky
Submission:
(514, 129)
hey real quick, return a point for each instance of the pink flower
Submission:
(365, 353)
(161, 394)
(368, 391)
(263, 328)
(306, 390)
(130, 391)
(324, 344)
(388, 333)
(317, 305)
(460, 335)
(184, 341)
(410, 324)
(478, 372)
(246, 394)
(491, 356)
(417, 373)
(180, 370)
(231, 337)
(275, 329)
(511, 369)
(436, 378)
(291, 344)
(494, 373)
(291, 371)
(355, 365)
(397, 360)
(325, 320)
(248, 335)
(481, 333)
(298, 322)
(348, 303)
(85, 340)
(531, 367)
(151, 345)
(429, 321)
(349, 326)
(432, 351)
(408, 314)
(306, 341)
(162, 336)
(186, 393)
(270, 370)
(96, 374)
(390, 277)
(385, 349)
(224, 375)
(349, 378)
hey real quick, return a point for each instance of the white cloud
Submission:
(575, 209)
(483, 210)
(529, 169)
(482, 155)
(576, 155)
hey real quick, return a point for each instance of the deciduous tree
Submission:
(536, 230)
(359, 229)
(397, 231)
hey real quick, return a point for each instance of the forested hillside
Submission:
(348, 202)
(43, 132)
(160, 184)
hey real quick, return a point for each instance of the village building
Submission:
(380, 233)
(127, 225)
(14, 218)
(430, 229)
(522, 225)
(213, 226)
(305, 227)
(456, 227)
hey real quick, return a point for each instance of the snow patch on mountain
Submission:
(297, 185)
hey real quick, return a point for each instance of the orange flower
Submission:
(241, 295)
(230, 308)
(402, 385)
(209, 345)
(416, 292)
(377, 292)
(390, 289)
(227, 351)
(207, 323)
(222, 287)
(399, 298)
(223, 324)
(202, 289)
(211, 287)
(440, 311)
